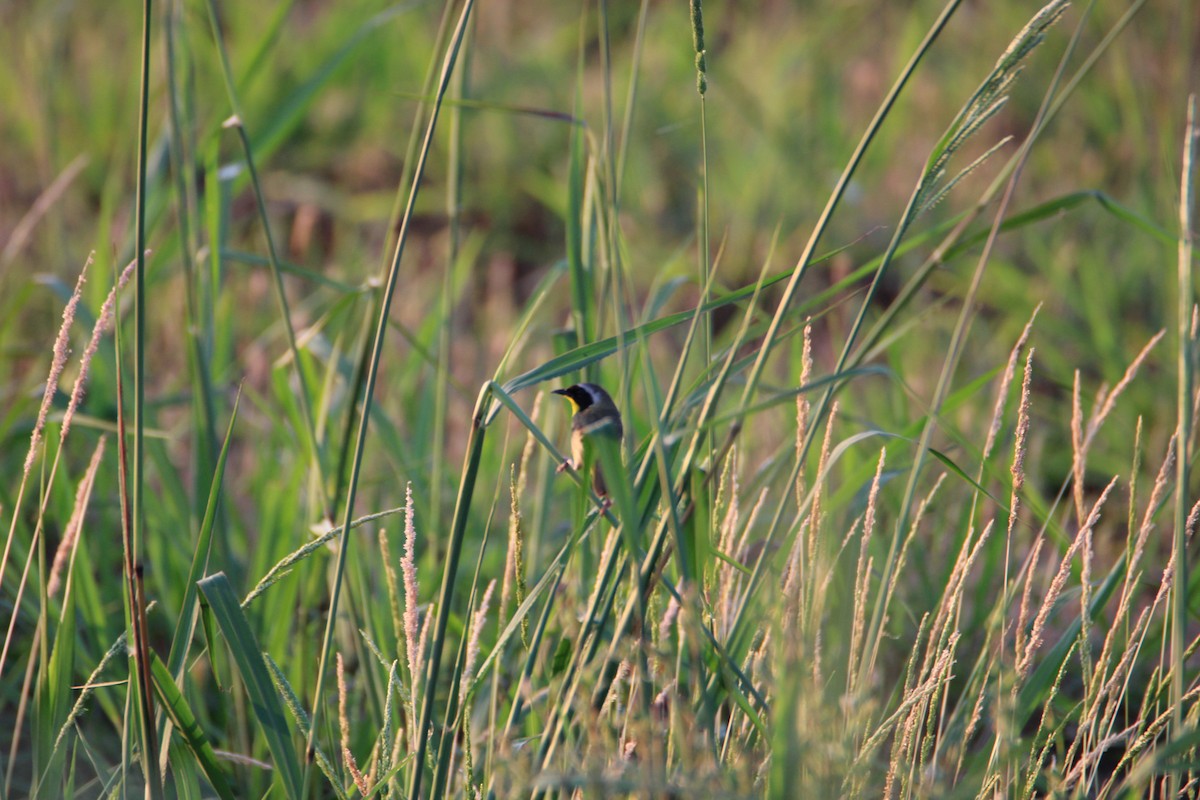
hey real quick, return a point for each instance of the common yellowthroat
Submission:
(596, 415)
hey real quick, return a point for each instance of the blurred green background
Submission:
(330, 95)
(328, 92)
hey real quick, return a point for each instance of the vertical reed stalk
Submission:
(1185, 303)
(134, 517)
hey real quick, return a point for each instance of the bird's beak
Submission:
(570, 399)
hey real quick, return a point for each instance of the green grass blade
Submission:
(243, 645)
(185, 722)
(181, 639)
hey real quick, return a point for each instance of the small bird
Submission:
(595, 415)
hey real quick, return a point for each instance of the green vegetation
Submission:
(895, 300)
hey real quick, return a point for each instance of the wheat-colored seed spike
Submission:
(104, 322)
(510, 556)
(408, 568)
(344, 726)
(477, 622)
(61, 350)
(803, 409)
(1010, 369)
(66, 546)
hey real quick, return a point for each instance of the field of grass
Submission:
(896, 301)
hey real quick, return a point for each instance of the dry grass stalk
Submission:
(1081, 436)
(1017, 471)
(911, 672)
(793, 577)
(1150, 734)
(1034, 766)
(919, 693)
(912, 532)
(944, 621)
(830, 573)
(1192, 519)
(1024, 660)
(867, 665)
(611, 541)
(1110, 401)
(799, 572)
(21, 233)
(623, 671)
(921, 774)
(1135, 639)
(1106, 703)
(1017, 475)
(1078, 774)
(1162, 484)
(969, 731)
(745, 551)
(900, 751)
(862, 580)
(58, 361)
(1077, 450)
(814, 513)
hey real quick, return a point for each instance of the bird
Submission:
(595, 415)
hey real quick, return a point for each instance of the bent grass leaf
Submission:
(221, 600)
(185, 722)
